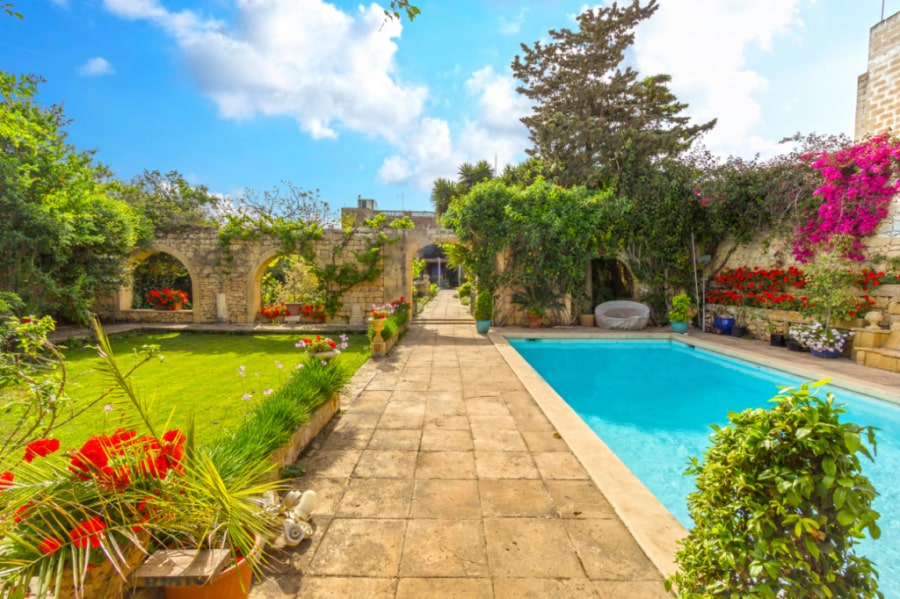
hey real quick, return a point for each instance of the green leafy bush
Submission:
(681, 308)
(464, 290)
(779, 506)
(484, 308)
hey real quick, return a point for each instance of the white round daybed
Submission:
(622, 314)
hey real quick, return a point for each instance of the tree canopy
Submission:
(596, 122)
(64, 237)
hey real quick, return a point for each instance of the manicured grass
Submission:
(199, 375)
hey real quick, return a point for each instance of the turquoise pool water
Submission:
(652, 403)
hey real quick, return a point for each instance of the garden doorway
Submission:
(289, 288)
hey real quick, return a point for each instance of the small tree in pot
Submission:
(681, 313)
(484, 311)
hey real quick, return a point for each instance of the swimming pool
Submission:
(652, 403)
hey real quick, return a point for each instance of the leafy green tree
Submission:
(168, 201)
(781, 502)
(64, 237)
(594, 122)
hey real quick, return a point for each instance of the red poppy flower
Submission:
(6, 480)
(41, 447)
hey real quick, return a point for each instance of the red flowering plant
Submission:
(170, 298)
(274, 311)
(71, 514)
(319, 344)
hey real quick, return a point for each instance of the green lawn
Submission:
(199, 375)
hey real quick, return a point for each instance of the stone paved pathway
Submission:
(443, 478)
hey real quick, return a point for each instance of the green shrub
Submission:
(432, 289)
(780, 504)
(464, 290)
(484, 308)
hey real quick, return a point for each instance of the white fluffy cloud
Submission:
(95, 67)
(496, 135)
(302, 58)
(332, 71)
(704, 45)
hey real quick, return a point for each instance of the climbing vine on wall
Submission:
(297, 218)
(859, 182)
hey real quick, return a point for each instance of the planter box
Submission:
(304, 434)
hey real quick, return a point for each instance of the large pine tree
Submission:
(595, 122)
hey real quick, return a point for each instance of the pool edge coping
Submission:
(653, 527)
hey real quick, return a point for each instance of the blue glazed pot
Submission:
(679, 327)
(723, 324)
(828, 353)
(482, 326)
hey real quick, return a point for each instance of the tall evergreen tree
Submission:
(596, 122)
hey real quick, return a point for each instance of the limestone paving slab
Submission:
(440, 498)
(442, 439)
(445, 588)
(444, 548)
(360, 547)
(376, 498)
(530, 548)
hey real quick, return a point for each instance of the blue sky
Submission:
(250, 93)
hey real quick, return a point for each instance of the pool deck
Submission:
(455, 471)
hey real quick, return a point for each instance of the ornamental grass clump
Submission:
(780, 505)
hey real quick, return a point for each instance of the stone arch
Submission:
(413, 241)
(254, 282)
(126, 293)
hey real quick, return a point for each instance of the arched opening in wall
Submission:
(161, 281)
(289, 287)
(610, 280)
(432, 262)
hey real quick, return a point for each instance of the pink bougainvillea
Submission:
(859, 184)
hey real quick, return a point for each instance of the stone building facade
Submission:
(878, 89)
(227, 288)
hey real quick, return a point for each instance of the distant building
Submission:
(367, 208)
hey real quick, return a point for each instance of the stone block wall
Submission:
(878, 89)
(225, 286)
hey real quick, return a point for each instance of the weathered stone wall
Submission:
(227, 288)
(878, 89)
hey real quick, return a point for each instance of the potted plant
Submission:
(681, 312)
(484, 311)
(776, 337)
(739, 329)
(822, 341)
(586, 314)
(537, 299)
(275, 313)
(77, 521)
(166, 299)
